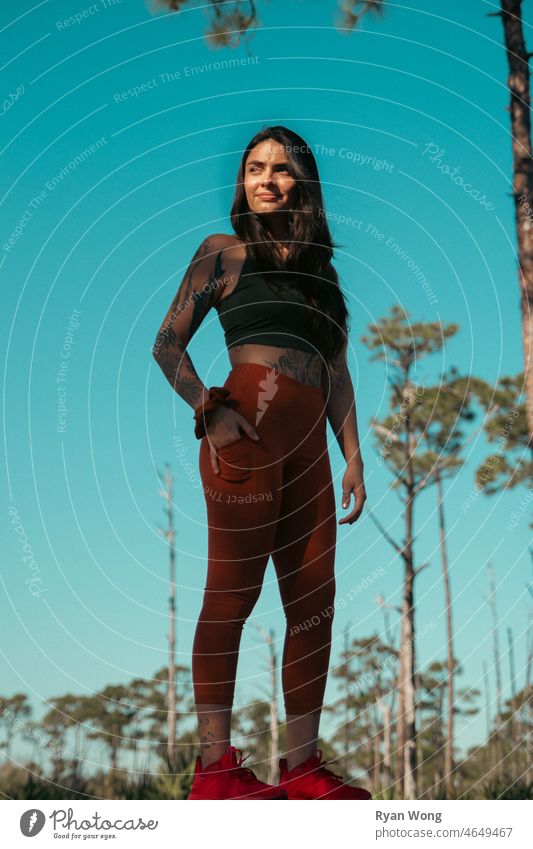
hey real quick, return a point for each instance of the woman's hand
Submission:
(223, 428)
(353, 482)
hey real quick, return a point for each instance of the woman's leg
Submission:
(242, 508)
(302, 737)
(304, 558)
(232, 589)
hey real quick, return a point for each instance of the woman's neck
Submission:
(279, 231)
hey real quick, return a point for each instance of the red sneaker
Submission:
(311, 780)
(227, 779)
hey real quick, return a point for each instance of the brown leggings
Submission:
(273, 497)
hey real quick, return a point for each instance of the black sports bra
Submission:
(253, 312)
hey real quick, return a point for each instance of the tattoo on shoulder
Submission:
(200, 296)
(169, 349)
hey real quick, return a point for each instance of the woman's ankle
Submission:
(299, 756)
(302, 736)
(214, 724)
(213, 753)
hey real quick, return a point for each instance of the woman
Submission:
(263, 456)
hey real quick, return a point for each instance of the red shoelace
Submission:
(244, 772)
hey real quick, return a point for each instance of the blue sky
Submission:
(120, 152)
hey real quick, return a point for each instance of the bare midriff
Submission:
(304, 366)
(300, 365)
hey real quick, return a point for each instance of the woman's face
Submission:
(267, 183)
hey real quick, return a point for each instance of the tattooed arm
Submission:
(341, 412)
(199, 291)
(341, 409)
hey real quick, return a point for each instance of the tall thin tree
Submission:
(487, 714)
(401, 344)
(386, 703)
(445, 408)
(491, 598)
(169, 534)
(518, 83)
(513, 702)
(268, 637)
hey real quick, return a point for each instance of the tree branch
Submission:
(387, 536)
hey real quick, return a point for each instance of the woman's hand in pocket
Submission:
(223, 429)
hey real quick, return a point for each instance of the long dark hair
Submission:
(308, 263)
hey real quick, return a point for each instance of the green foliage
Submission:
(505, 424)
(172, 786)
(506, 787)
(384, 793)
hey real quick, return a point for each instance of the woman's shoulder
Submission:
(227, 255)
(225, 242)
(221, 249)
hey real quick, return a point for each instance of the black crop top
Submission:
(253, 312)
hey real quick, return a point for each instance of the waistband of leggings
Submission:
(263, 370)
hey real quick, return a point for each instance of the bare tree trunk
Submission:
(406, 761)
(168, 533)
(513, 718)
(274, 719)
(487, 715)
(9, 740)
(528, 713)
(529, 745)
(407, 687)
(135, 746)
(171, 637)
(377, 757)
(518, 84)
(529, 649)
(440, 738)
(346, 729)
(387, 729)
(268, 636)
(387, 709)
(407, 647)
(400, 720)
(77, 742)
(448, 752)
(497, 668)
(114, 758)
